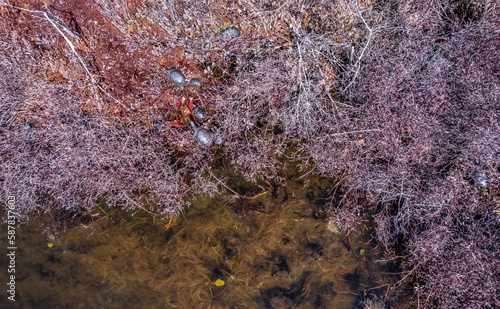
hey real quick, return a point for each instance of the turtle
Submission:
(200, 113)
(157, 128)
(176, 77)
(480, 179)
(26, 127)
(195, 82)
(231, 31)
(202, 135)
(219, 138)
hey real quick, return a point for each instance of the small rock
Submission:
(229, 31)
(195, 82)
(176, 77)
(333, 227)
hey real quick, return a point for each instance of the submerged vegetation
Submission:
(274, 254)
(398, 101)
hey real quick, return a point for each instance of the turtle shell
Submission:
(204, 137)
(157, 128)
(195, 82)
(26, 127)
(480, 179)
(176, 77)
(230, 31)
(219, 138)
(200, 113)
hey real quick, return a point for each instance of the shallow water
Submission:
(272, 250)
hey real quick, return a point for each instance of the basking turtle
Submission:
(480, 179)
(195, 82)
(157, 128)
(176, 77)
(200, 113)
(26, 127)
(202, 135)
(219, 139)
(231, 31)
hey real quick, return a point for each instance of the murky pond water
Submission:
(270, 250)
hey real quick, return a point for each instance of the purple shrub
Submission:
(422, 123)
(457, 261)
(67, 141)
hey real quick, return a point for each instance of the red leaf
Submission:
(176, 123)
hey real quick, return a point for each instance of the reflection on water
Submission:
(273, 250)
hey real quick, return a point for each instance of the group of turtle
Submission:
(179, 79)
(205, 138)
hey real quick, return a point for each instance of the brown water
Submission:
(271, 250)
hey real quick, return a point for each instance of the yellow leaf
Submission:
(362, 251)
(50, 245)
(219, 282)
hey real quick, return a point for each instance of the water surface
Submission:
(271, 249)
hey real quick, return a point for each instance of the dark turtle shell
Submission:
(26, 127)
(200, 113)
(157, 128)
(202, 135)
(230, 31)
(480, 179)
(195, 82)
(176, 77)
(219, 139)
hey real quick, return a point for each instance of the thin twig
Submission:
(222, 183)
(349, 132)
(358, 61)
